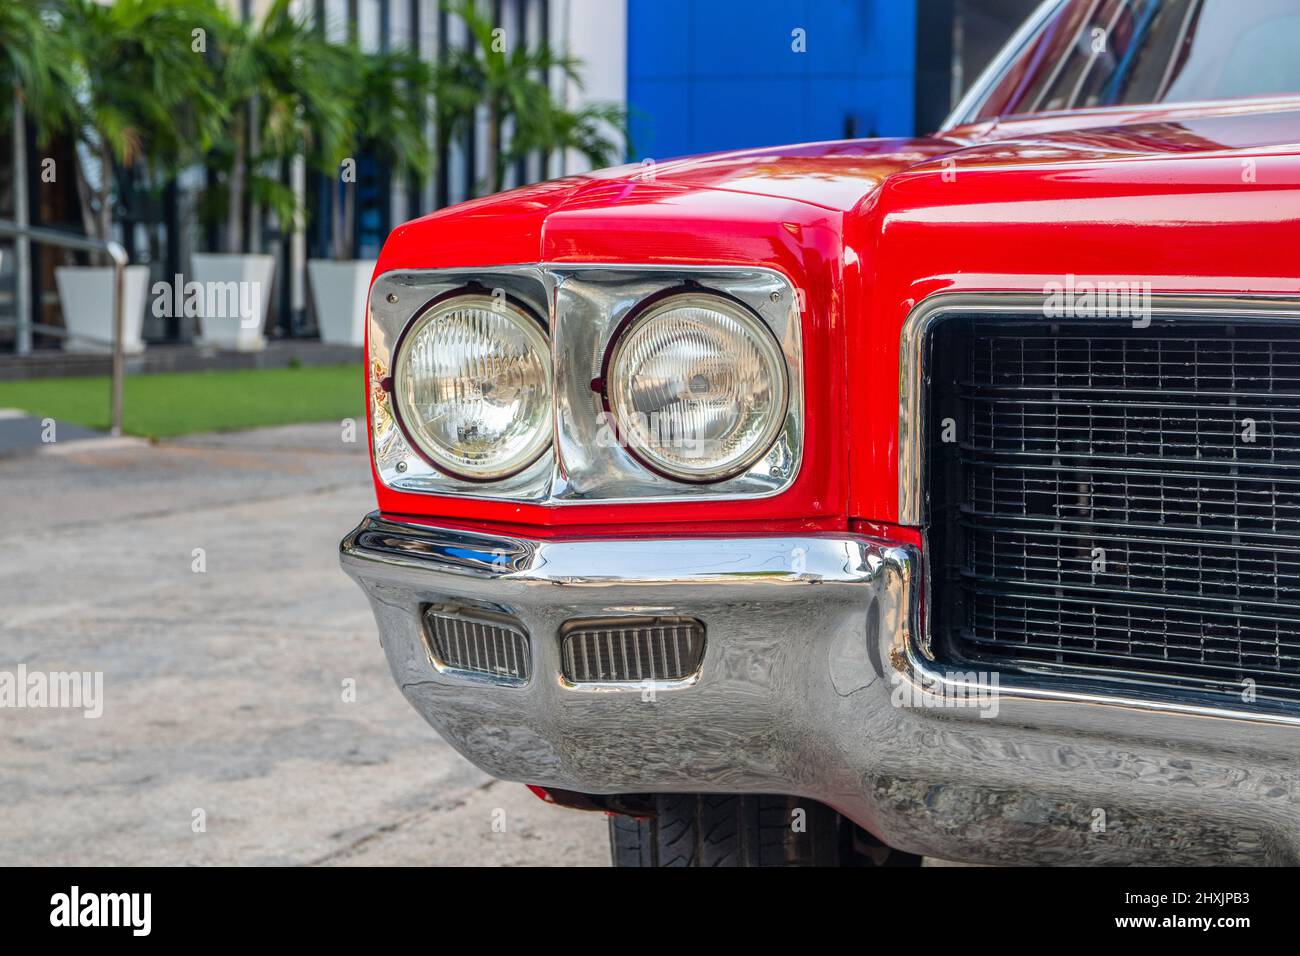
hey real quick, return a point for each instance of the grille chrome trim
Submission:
(917, 659)
(632, 651)
(932, 310)
(477, 644)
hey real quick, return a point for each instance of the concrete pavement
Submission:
(200, 576)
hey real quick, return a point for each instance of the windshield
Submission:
(1127, 52)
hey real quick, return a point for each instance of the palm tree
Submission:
(514, 87)
(34, 64)
(140, 93)
(34, 57)
(385, 92)
(388, 91)
(584, 130)
(284, 90)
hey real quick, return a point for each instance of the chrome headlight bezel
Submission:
(583, 305)
(655, 308)
(427, 446)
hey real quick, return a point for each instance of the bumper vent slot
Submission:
(478, 642)
(1119, 505)
(631, 649)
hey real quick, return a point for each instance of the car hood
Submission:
(1135, 135)
(834, 175)
(835, 178)
(1275, 110)
(840, 175)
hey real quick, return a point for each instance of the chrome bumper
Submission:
(812, 684)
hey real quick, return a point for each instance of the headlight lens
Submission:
(472, 386)
(697, 386)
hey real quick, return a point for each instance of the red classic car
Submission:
(856, 501)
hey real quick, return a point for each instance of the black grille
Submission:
(1119, 504)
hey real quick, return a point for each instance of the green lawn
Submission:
(164, 405)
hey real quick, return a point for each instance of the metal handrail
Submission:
(115, 251)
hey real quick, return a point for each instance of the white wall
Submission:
(595, 32)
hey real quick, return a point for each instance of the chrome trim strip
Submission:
(929, 676)
(504, 566)
(993, 73)
(912, 657)
(636, 687)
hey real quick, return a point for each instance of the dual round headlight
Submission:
(472, 384)
(695, 384)
(697, 387)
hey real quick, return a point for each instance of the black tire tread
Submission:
(631, 841)
(725, 830)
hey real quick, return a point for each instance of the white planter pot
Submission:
(340, 290)
(236, 291)
(86, 297)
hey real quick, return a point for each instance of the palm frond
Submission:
(515, 86)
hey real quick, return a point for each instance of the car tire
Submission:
(719, 830)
